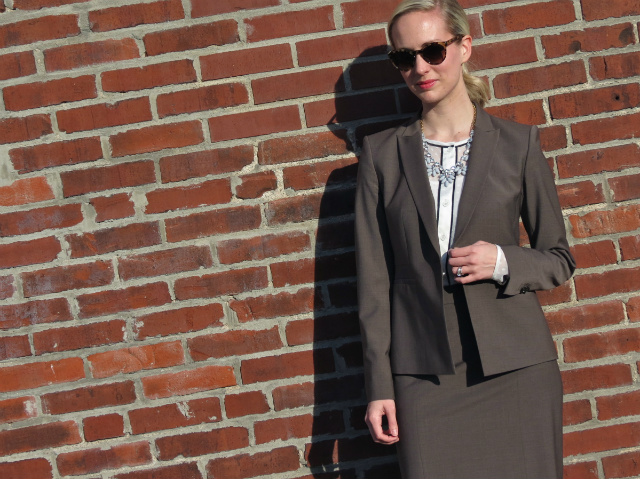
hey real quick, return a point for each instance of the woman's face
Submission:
(432, 84)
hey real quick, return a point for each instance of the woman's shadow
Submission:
(370, 96)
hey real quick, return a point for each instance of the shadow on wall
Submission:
(341, 447)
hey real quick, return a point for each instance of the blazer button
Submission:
(524, 289)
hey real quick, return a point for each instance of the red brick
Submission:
(297, 85)
(233, 343)
(103, 427)
(24, 191)
(588, 162)
(633, 308)
(506, 53)
(624, 65)
(373, 74)
(113, 207)
(316, 175)
(136, 235)
(42, 436)
(254, 123)
(156, 138)
(619, 405)
(625, 187)
(15, 65)
(91, 397)
(606, 129)
(164, 262)
(293, 396)
(588, 40)
(186, 197)
(34, 312)
(244, 62)
(78, 337)
(80, 55)
(303, 147)
(174, 416)
(538, 79)
(6, 287)
(341, 47)
(553, 137)
(290, 23)
(344, 449)
(40, 219)
(261, 247)
(337, 326)
(580, 193)
(132, 15)
(122, 175)
(581, 470)
(219, 284)
(191, 37)
(189, 381)
(63, 278)
(201, 443)
(203, 163)
(26, 128)
(250, 465)
(527, 112)
(33, 158)
(594, 10)
(18, 409)
(295, 209)
(621, 280)
(14, 347)
(245, 404)
(271, 306)
(38, 29)
(306, 425)
(367, 12)
(606, 438)
(576, 412)
(150, 76)
(599, 253)
(257, 184)
(202, 8)
(34, 375)
(200, 99)
(597, 377)
(350, 108)
(164, 323)
(24, 253)
(183, 471)
(211, 223)
(287, 365)
(89, 461)
(536, 15)
(308, 270)
(630, 247)
(621, 465)
(590, 102)
(621, 219)
(115, 301)
(38, 4)
(603, 344)
(138, 358)
(104, 115)
(27, 468)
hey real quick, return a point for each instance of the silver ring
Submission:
(459, 272)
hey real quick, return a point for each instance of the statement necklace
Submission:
(435, 169)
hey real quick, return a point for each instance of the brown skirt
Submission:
(468, 426)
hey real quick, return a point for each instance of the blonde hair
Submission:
(457, 23)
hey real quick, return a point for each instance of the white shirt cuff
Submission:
(501, 270)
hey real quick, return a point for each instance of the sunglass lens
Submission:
(433, 54)
(403, 60)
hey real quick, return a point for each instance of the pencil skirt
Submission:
(470, 426)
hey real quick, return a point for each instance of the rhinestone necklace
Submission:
(435, 169)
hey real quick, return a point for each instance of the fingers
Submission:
(473, 263)
(376, 410)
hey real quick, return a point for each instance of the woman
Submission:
(459, 361)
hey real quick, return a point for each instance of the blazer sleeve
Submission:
(548, 262)
(374, 260)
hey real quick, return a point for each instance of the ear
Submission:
(465, 48)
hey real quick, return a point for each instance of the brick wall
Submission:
(176, 196)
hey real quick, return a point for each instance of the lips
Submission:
(426, 84)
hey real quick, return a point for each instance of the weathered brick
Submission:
(245, 404)
(38, 4)
(350, 449)
(211, 223)
(49, 155)
(15, 65)
(6, 287)
(606, 129)
(186, 197)
(527, 112)
(223, 283)
(90, 461)
(191, 37)
(78, 337)
(624, 65)
(201, 443)
(350, 108)
(207, 98)
(203, 163)
(104, 115)
(625, 187)
(233, 343)
(40, 219)
(122, 175)
(596, 377)
(576, 412)
(630, 247)
(506, 53)
(244, 62)
(115, 301)
(183, 471)
(48, 27)
(599, 253)
(250, 465)
(164, 262)
(590, 102)
(14, 347)
(42, 436)
(189, 381)
(605, 438)
(316, 175)
(374, 74)
(18, 409)
(619, 405)
(308, 270)
(136, 235)
(588, 40)
(137, 358)
(149, 76)
(621, 280)
(580, 193)
(38, 468)
(113, 207)
(341, 47)
(63, 278)
(287, 365)
(281, 304)
(90, 397)
(553, 137)
(581, 470)
(34, 375)
(132, 15)
(23, 253)
(203, 8)
(79, 55)
(308, 425)
(254, 123)
(367, 12)
(156, 138)
(176, 321)
(298, 85)
(336, 326)
(26, 128)
(303, 208)
(255, 185)
(290, 23)
(174, 416)
(588, 162)
(303, 147)
(602, 344)
(633, 308)
(538, 79)
(24, 191)
(594, 10)
(621, 219)
(34, 312)
(106, 426)
(261, 247)
(535, 15)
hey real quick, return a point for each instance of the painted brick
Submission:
(15, 65)
(289, 24)
(68, 57)
(538, 79)
(622, 280)
(186, 197)
(316, 175)
(629, 247)
(203, 163)
(281, 304)
(132, 15)
(78, 337)
(254, 123)
(32, 468)
(47, 155)
(115, 301)
(201, 99)
(588, 40)
(606, 129)
(596, 377)
(297, 85)
(624, 65)
(34, 312)
(589, 102)
(256, 184)
(38, 29)
(104, 115)
(261, 247)
(536, 15)
(245, 62)
(233, 343)
(40, 219)
(287, 365)
(625, 187)
(137, 358)
(63, 278)
(164, 262)
(245, 404)
(183, 471)
(191, 37)
(14, 347)
(621, 219)
(598, 253)
(367, 12)
(113, 207)
(593, 10)
(588, 162)
(302, 147)
(23, 253)
(91, 397)
(137, 235)
(210, 223)
(189, 381)
(122, 175)
(34, 375)
(249, 465)
(27, 128)
(341, 47)
(106, 426)
(156, 138)
(203, 8)
(580, 193)
(177, 321)
(502, 54)
(149, 76)
(219, 284)
(53, 92)
(90, 461)
(173, 416)
(43, 436)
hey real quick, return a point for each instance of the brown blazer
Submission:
(398, 257)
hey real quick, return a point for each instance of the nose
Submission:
(421, 67)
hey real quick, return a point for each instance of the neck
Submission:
(450, 122)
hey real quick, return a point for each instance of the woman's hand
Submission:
(477, 262)
(375, 412)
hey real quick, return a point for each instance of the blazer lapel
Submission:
(415, 171)
(481, 157)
